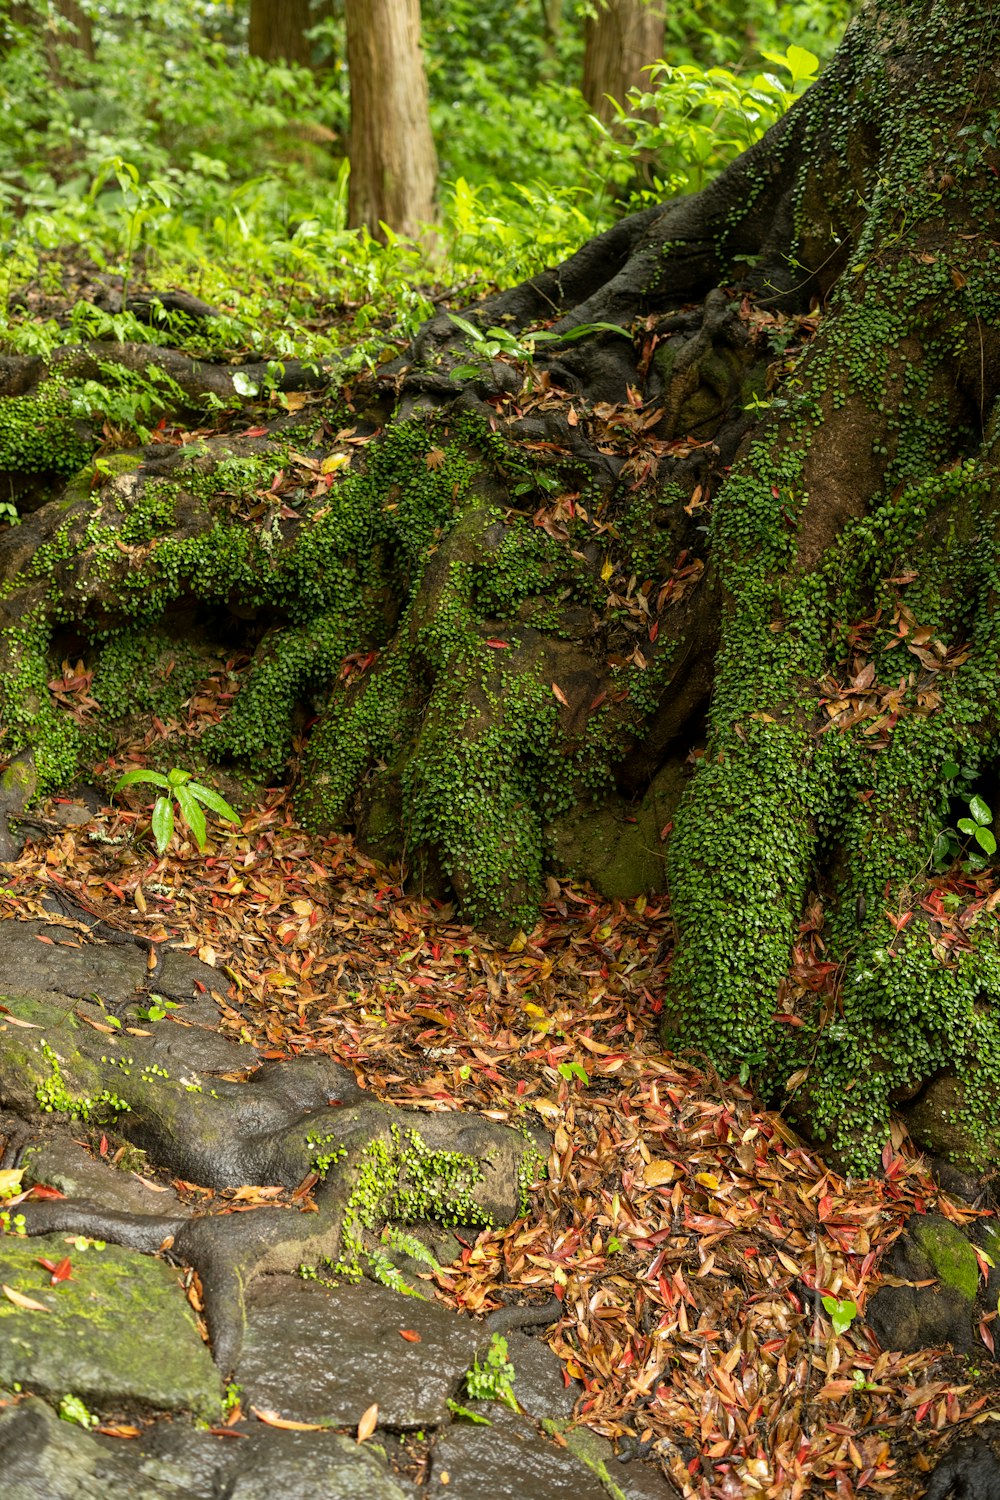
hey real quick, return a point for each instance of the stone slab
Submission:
(120, 1331)
(319, 1355)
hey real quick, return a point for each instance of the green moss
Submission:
(37, 438)
(950, 1254)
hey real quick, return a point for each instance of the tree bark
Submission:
(278, 29)
(393, 161)
(622, 39)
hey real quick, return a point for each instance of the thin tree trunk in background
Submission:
(393, 161)
(278, 31)
(79, 34)
(623, 38)
(82, 35)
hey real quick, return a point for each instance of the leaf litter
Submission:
(691, 1237)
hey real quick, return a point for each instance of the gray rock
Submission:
(311, 1466)
(538, 1379)
(319, 1355)
(68, 1166)
(68, 963)
(508, 1460)
(119, 1331)
(42, 1458)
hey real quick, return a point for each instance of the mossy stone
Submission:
(119, 1331)
(950, 1254)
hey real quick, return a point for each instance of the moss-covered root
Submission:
(378, 1166)
(377, 1163)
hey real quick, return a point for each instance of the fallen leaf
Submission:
(368, 1423)
(20, 1300)
(272, 1419)
(410, 1335)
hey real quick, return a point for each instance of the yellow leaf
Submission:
(20, 1300)
(334, 462)
(293, 400)
(707, 1180)
(272, 1419)
(656, 1173)
(606, 572)
(640, 905)
(532, 1010)
(368, 1423)
(517, 943)
(302, 908)
(10, 1182)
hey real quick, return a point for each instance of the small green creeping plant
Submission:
(189, 795)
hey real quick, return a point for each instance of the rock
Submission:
(914, 1317)
(507, 1460)
(68, 1166)
(969, 1471)
(119, 1332)
(538, 1379)
(42, 1458)
(943, 1123)
(321, 1355)
(68, 964)
(616, 844)
(313, 1466)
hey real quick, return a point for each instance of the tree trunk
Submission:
(278, 31)
(74, 29)
(622, 39)
(719, 587)
(393, 161)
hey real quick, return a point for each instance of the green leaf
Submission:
(799, 61)
(163, 823)
(192, 815)
(966, 825)
(132, 777)
(842, 1313)
(215, 802)
(979, 810)
(474, 333)
(949, 770)
(986, 841)
(177, 777)
(243, 385)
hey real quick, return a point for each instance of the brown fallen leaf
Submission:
(368, 1422)
(117, 1429)
(559, 695)
(20, 1300)
(272, 1419)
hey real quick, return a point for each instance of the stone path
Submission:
(120, 1340)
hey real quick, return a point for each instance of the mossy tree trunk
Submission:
(510, 599)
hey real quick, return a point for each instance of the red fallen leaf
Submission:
(789, 1020)
(410, 1335)
(499, 645)
(217, 1432)
(261, 432)
(117, 1429)
(58, 1270)
(985, 1333)
(40, 1190)
(103, 1147)
(39, 938)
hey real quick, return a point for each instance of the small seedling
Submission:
(72, 1409)
(842, 1313)
(190, 796)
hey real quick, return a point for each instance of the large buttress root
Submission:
(856, 541)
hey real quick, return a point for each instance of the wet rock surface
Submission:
(119, 1344)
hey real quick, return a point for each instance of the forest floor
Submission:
(691, 1236)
